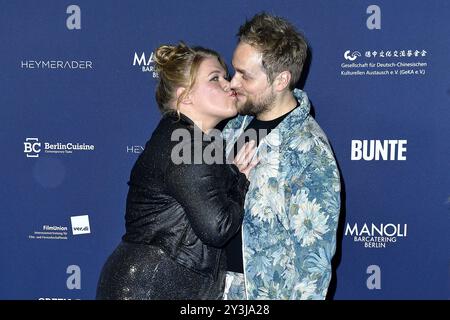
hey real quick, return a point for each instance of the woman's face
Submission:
(211, 95)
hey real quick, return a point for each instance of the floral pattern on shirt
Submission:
(291, 209)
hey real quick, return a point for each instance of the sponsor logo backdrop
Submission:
(77, 106)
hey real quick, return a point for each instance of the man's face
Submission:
(253, 91)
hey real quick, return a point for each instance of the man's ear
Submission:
(185, 98)
(282, 80)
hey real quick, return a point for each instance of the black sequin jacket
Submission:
(189, 211)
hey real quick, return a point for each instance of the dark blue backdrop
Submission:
(105, 100)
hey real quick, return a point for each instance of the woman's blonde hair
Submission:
(177, 67)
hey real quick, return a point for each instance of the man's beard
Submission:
(254, 108)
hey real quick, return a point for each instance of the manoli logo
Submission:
(376, 235)
(145, 62)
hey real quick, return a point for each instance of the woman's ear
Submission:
(185, 98)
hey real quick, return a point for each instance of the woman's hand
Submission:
(245, 159)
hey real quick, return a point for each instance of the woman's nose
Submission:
(226, 85)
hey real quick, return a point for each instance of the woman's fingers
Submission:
(246, 160)
(250, 152)
(238, 159)
(245, 155)
(250, 166)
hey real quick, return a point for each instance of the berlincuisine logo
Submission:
(376, 235)
(32, 147)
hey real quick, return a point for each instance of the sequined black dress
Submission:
(178, 219)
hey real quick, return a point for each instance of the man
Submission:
(293, 202)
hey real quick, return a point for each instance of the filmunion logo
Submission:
(145, 62)
(32, 147)
(376, 235)
(53, 228)
(353, 56)
(80, 224)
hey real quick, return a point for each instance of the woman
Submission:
(179, 213)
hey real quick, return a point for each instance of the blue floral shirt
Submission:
(291, 210)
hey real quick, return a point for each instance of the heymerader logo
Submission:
(376, 235)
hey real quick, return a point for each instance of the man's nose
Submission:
(235, 83)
